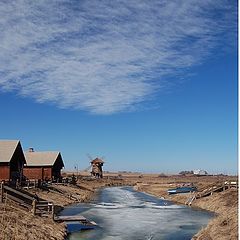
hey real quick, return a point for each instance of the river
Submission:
(124, 214)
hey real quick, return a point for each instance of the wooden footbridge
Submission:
(27, 200)
(210, 189)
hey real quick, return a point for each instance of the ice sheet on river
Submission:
(123, 213)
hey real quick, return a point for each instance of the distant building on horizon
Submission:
(200, 172)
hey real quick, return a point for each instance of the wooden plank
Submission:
(18, 200)
(11, 190)
(70, 218)
(43, 202)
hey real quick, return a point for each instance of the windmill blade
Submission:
(86, 169)
(89, 156)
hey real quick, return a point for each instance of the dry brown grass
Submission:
(18, 224)
(225, 225)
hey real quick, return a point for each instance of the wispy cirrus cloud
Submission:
(105, 56)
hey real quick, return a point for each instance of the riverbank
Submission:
(17, 223)
(225, 204)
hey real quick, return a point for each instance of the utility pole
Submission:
(76, 167)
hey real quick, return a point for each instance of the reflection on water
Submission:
(124, 214)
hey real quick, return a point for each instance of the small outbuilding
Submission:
(12, 160)
(43, 165)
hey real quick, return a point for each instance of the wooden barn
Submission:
(11, 160)
(97, 164)
(43, 165)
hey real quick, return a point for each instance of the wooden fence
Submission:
(27, 200)
(219, 187)
(216, 188)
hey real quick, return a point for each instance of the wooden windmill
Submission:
(96, 165)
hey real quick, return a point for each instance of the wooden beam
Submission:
(2, 191)
(70, 218)
(9, 189)
(34, 207)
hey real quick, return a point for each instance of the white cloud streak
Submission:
(105, 56)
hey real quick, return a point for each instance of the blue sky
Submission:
(152, 86)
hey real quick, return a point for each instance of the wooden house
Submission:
(97, 164)
(43, 165)
(11, 160)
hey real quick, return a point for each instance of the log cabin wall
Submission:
(4, 172)
(43, 173)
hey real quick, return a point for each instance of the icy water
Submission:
(124, 214)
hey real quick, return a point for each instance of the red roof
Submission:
(97, 160)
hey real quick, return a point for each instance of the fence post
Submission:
(48, 208)
(34, 206)
(39, 183)
(2, 191)
(53, 211)
(17, 183)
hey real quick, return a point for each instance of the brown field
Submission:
(17, 223)
(225, 204)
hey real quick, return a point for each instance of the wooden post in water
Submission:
(2, 191)
(34, 206)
